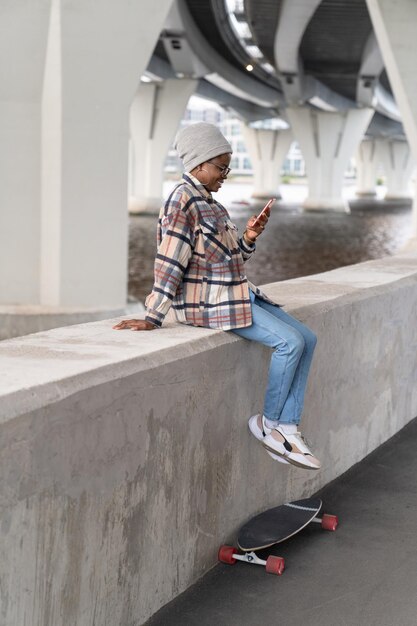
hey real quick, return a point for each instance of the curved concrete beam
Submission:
(324, 98)
(385, 103)
(382, 127)
(177, 48)
(298, 88)
(223, 74)
(160, 68)
(369, 91)
(293, 20)
(249, 111)
(372, 61)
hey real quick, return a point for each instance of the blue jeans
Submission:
(293, 347)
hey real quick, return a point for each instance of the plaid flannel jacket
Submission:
(199, 265)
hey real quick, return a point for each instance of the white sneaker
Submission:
(259, 430)
(293, 447)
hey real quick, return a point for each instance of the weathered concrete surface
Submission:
(125, 458)
(20, 320)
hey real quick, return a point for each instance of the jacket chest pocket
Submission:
(215, 240)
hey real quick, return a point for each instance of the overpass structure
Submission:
(314, 65)
(328, 72)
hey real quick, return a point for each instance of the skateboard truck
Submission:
(273, 564)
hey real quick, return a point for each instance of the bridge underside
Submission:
(75, 103)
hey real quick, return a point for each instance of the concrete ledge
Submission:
(19, 320)
(125, 459)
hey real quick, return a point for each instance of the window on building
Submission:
(196, 115)
(173, 163)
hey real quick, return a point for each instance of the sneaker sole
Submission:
(273, 454)
(288, 459)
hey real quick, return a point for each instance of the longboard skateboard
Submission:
(275, 526)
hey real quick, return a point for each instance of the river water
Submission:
(295, 243)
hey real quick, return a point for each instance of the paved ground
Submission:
(364, 574)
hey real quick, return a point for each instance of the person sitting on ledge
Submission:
(199, 271)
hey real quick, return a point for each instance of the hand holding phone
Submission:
(265, 212)
(256, 223)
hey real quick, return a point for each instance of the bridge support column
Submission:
(327, 141)
(89, 84)
(367, 160)
(268, 149)
(64, 113)
(21, 69)
(155, 115)
(395, 28)
(398, 167)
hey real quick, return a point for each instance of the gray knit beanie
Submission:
(200, 142)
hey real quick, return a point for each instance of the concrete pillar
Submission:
(64, 110)
(155, 114)
(95, 56)
(395, 25)
(398, 168)
(367, 161)
(327, 141)
(267, 149)
(23, 36)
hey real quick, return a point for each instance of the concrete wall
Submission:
(125, 459)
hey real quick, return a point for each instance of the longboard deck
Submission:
(277, 524)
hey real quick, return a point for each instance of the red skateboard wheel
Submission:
(226, 553)
(275, 565)
(329, 522)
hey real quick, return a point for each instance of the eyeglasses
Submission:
(223, 168)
